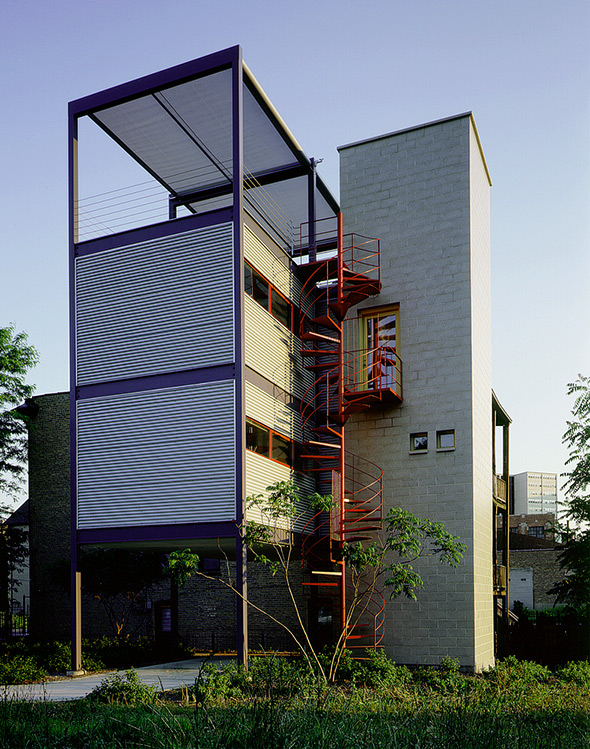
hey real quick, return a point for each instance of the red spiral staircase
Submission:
(338, 272)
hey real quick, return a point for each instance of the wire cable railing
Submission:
(146, 203)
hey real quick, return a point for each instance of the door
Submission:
(379, 328)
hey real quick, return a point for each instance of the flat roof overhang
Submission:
(177, 124)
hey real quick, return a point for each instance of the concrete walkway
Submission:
(166, 676)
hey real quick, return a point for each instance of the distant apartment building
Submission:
(533, 493)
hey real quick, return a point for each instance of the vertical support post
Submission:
(75, 577)
(240, 423)
(76, 592)
(311, 211)
(505, 520)
(342, 461)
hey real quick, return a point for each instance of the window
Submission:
(267, 442)
(537, 530)
(419, 442)
(445, 439)
(267, 296)
(380, 337)
(210, 566)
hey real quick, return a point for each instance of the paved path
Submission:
(166, 676)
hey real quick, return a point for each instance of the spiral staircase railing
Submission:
(338, 273)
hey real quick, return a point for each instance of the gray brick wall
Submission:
(425, 194)
(49, 497)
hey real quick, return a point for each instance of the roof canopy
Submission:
(178, 124)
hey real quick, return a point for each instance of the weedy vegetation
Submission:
(278, 703)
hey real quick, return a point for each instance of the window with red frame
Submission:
(267, 296)
(270, 444)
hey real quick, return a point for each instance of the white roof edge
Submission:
(405, 130)
(423, 125)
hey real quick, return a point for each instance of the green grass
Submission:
(517, 705)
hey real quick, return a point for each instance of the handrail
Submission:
(377, 368)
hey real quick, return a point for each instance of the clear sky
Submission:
(337, 72)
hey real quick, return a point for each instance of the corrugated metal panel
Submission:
(155, 307)
(157, 457)
(271, 267)
(262, 407)
(261, 473)
(273, 351)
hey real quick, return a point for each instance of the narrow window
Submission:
(280, 308)
(282, 449)
(268, 297)
(380, 338)
(257, 439)
(260, 289)
(270, 444)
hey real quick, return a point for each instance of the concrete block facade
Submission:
(424, 193)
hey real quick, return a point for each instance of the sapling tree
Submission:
(574, 587)
(16, 358)
(390, 555)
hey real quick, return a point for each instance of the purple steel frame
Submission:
(227, 59)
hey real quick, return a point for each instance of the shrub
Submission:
(20, 669)
(124, 687)
(577, 672)
(511, 671)
(274, 676)
(219, 685)
(378, 670)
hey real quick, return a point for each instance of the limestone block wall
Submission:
(422, 191)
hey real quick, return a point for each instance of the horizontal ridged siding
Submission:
(261, 473)
(262, 407)
(273, 351)
(271, 267)
(157, 457)
(160, 306)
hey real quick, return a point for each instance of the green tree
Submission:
(16, 358)
(574, 587)
(404, 539)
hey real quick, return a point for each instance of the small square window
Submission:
(445, 439)
(419, 442)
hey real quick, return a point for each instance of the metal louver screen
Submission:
(155, 307)
(157, 457)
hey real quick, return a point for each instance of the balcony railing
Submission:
(500, 489)
(500, 580)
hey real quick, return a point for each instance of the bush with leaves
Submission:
(510, 671)
(217, 685)
(20, 669)
(376, 670)
(577, 672)
(124, 687)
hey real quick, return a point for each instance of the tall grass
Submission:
(516, 705)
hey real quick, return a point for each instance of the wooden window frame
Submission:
(271, 434)
(272, 290)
